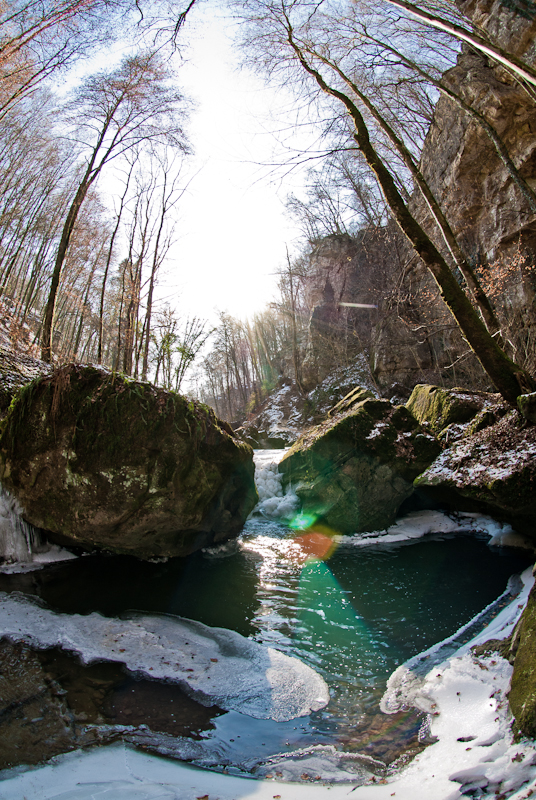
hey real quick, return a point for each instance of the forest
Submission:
(80, 261)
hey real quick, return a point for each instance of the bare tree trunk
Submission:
(509, 378)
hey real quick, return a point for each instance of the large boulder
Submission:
(443, 407)
(492, 471)
(353, 472)
(99, 460)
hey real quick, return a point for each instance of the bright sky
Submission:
(233, 228)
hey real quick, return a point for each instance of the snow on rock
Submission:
(273, 502)
(494, 470)
(215, 666)
(420, 523)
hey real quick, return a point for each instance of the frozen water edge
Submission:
(421, 523)
(214, 665)
(466, 700)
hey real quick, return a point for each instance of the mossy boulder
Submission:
(526, 404)
(493, 471)
(353, 472)
(99, 460)
(354, 397)
(522, 697)
(443, 407)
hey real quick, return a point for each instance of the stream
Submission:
(354, 615)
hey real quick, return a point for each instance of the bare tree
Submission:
(115, 112)
(39, 38)
(286, 28)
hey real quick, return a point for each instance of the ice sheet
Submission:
(216, 666)
(420, 523)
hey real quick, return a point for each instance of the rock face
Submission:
(354, 471)
(492, 471)
(411, 338)
(102, 461)
(448, 410)
(522, 697)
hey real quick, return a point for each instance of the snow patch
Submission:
(421, 523)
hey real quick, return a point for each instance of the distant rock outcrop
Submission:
(353, 472)
(99, 460)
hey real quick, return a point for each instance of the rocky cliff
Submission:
(412, 337)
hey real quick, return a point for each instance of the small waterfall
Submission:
(273, 502)
(19, 540)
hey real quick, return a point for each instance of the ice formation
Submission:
(215, 666)
(420, 523)
(273, 503)
(22, 548)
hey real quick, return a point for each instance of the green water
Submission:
(353, 617)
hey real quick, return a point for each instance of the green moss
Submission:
(522, 695)
(442, 407)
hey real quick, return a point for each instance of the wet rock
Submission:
(98, 460)
(35, 723)
(353, 472)
(493, 471)
(50, 703)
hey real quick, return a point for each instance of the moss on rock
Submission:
(353, 471)
(522, 697)
(101, 460)
(443, 407)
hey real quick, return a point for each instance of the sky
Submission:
(233, 230)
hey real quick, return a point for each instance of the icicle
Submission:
(18, 539)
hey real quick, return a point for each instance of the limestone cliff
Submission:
(412, 337)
